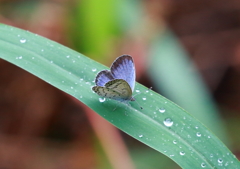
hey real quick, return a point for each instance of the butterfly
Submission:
(118, 83)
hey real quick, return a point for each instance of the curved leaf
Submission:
(161, 125)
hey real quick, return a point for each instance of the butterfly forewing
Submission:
(123, 68)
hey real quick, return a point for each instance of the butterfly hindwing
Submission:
(116, 89)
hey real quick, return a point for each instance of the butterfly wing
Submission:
(123, 68)
(103, 77)
(116, 89)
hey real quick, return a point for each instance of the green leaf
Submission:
(162, 125)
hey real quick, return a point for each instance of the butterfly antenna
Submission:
(138, 104)
(150, 88)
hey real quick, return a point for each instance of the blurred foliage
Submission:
(94, 27)
(172, 72)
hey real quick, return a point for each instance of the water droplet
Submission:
(144, 98)
(20, 57)
(174, 141)
(102, 100)
(203, 165)
(62, 81)
(137, 91)
(211, 155)
(220, 160)
(67, 56)
(94, 69)
(140, 136)
(168, 122)
(182, 153)
(209, 137)
(199, 134)
(162, 110)
(42, 50)
(196, 127)
(33, 58)
(51, 61)
(22, 40)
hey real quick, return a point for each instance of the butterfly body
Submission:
(118, 83)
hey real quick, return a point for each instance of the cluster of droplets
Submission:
(19, 57)
(23, 40)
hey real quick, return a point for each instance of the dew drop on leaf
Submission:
(203, 165)
(162, 110)
(168, 122)
(22, 40)
(182, 153)
(102, 100)
(220, 160)
(174, 141)
(199, 134)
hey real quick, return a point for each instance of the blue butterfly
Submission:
(119, 82)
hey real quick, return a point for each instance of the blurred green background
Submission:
(188, 51)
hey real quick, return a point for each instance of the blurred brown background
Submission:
(42, 127)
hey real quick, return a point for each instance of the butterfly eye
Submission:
(132, 99)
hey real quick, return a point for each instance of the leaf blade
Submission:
(74, 74)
